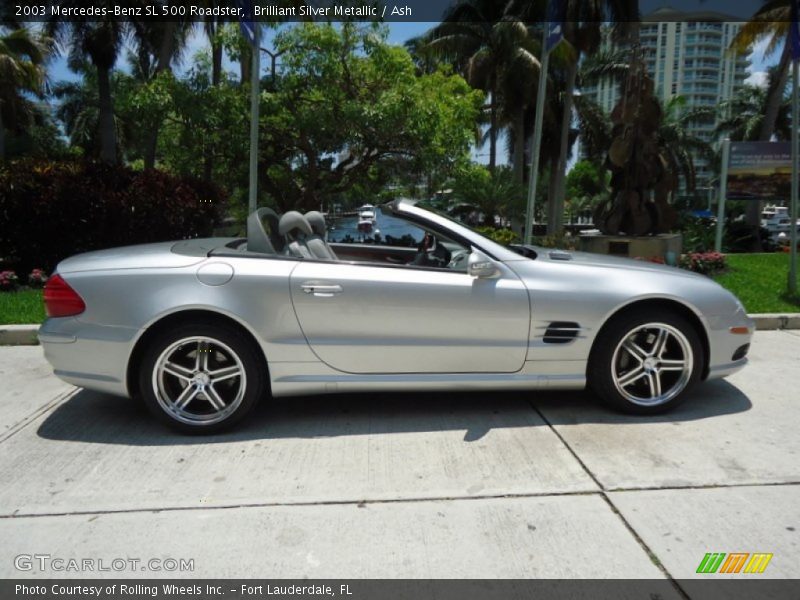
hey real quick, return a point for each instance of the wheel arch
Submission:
(670, 304)
(178, 318)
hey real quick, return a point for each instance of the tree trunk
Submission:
(167, 48)
(493, 127)
(2, 138)
(245, 64)
(216, 62)
(775, 95)
(108, 134)
(551, 195)
(216, 78)
(560, 174)
(164, 63)
(519, 145)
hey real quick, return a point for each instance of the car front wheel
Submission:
(201, 378)
(644, 362)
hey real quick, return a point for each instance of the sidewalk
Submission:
(422, 486)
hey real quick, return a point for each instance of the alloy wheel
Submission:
(652, 364)
(199, 380)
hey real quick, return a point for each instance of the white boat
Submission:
(366, 225)
(366, 213)
(776, 220)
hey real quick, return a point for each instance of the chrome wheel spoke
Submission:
(672, 365)
(632, 376)
(224, 373)
(189, 393)
(655, 384)
(661, 343)
(214, 397)
(178, 371)
(635, 350)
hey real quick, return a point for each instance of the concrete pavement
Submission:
(428, 486)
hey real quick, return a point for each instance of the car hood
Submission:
(567, 257)
(144, 256)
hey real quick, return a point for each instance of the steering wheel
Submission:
(431, 253)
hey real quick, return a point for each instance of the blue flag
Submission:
(794, 30)
(555, 24)
(246, 23)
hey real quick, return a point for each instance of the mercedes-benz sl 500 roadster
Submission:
(202, 329)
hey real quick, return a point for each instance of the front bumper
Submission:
(94, 357)
(728, 343)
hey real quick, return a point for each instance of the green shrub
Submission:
(562, 242)
(501, 236)
(51, 210)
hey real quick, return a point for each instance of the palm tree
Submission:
(582, 28)
(159, 46)
(79, 111)
(771, 21)
(489, 46)
(676, 142)
(99, 40)
(21, 71)
(594, 124)
(744, 115)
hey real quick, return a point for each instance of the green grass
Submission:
(21, 308)
(759, 281)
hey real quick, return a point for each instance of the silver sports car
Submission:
(202, 329)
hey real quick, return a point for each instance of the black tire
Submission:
(227, 350)
(607, 357)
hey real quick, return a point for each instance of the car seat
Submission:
(316, 242)
(264, 238)
(295, 228)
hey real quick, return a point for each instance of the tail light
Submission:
(60, 300)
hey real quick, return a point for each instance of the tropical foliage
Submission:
(345, 116)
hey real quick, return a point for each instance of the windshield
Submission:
(521, 249)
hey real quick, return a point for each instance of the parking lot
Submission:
(482, 485)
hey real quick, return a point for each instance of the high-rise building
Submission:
(687, 54)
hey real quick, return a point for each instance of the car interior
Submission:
(303, 236)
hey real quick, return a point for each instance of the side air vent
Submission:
(561, 332)
(559, 255)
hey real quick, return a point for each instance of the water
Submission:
(386, 227)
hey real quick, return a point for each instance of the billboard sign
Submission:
(759, 170)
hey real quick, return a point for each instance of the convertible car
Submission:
(202, 329)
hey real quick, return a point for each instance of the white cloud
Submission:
(757, 78)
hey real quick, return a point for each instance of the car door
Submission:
(366, 318)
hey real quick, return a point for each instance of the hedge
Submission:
(52, 210)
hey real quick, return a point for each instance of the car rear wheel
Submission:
(201, 378)
(644, 362)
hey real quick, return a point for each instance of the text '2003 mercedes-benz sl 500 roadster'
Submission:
(202, 329)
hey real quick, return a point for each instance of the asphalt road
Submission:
(421, 486)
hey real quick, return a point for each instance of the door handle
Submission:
(324, 290)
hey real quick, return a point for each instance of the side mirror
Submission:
(481, 266)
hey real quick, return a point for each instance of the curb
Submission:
(18, 335)
(25, 335)
(772, 321)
